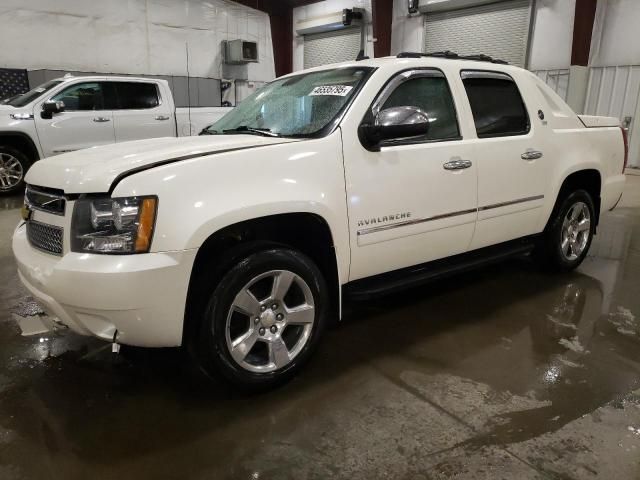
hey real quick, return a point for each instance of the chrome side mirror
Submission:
(50, 107)
(394, 123)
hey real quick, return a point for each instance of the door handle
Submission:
(162, 117)
(101, 119)
(457, 164)
(531, 155)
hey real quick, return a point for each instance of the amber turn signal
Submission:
(146, 222)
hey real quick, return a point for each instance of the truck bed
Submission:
(592, 121)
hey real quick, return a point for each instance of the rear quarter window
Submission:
(496, 103)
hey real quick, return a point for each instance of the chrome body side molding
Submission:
(380, 228)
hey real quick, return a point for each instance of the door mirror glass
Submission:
(51, 107)
(395, 123)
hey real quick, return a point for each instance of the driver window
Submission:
(431, 94)
(82, 96)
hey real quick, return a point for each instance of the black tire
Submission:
(209, 343)
(550, 250)
(6, 154)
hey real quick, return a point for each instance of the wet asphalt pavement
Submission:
(505, 372)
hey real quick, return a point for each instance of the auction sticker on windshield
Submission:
(336, 90)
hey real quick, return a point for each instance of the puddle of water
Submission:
(33, 325)
(12, 202)
(27, 307)
(572, 344)
(624, 321)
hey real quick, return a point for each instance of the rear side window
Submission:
(431, 94)
(496, 103)
(136, 95)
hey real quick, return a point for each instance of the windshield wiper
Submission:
(265, 132)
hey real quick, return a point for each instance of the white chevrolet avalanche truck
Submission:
(72, 113)
(341, 181)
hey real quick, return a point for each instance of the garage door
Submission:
(498, 29)
(331, 47)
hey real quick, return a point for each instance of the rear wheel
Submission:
(568, 236)
(13, 167)
(263, 319)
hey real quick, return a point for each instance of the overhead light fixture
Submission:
(349, 15)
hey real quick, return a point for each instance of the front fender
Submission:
(253, 212)
(200, 196)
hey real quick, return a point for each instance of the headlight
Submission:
(113, 225)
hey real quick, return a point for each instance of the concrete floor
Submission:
(502, 373)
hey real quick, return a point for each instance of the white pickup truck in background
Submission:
(72, 113)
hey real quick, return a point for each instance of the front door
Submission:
(85, 122)
(415, 199)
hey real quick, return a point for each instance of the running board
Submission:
(396, 280)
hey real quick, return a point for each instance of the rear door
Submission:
(87, 120)
(141, 112)
(509, 154)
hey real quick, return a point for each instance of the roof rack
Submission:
(453, 56)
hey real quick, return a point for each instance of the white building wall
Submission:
(407, 32)
(131, 36)
(614, 73)
(552, 36)
(615, 34)
(324, 8)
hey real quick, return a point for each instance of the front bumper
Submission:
(142, 296)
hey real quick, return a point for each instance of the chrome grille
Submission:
(47, 238)
(46, 199)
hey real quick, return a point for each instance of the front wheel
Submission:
(13, 167)
(263, 319)
(567, 238)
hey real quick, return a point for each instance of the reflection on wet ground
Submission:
(9, 203)
(506, 372)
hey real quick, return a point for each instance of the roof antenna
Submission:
(186, 47)
(361, 56)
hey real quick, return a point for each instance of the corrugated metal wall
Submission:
(556, 79)
(613, 91)
(331, 47)
(500, 30)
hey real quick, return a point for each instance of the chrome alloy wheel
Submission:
(576, 229)
(11, 171)
(270, 321)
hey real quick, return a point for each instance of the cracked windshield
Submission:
(301, 105)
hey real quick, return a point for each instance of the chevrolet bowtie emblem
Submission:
(25, 212)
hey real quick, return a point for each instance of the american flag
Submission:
(12, 82)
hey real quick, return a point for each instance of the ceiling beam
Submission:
(282, 40)
(382, 13)
(270, 5)
(582, 30)
(302, 3)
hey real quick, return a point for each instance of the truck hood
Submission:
(95, 169)
(6, 110)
